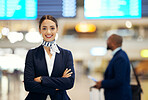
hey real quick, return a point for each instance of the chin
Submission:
(49, 40)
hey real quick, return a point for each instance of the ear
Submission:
(40, 31)
(57, 29)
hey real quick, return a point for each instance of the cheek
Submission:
(54, 32)
(54, 35)
(42, 31)
(111, 45)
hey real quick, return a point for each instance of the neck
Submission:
(114, 48)
(47, 48)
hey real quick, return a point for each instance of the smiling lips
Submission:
(48, 36)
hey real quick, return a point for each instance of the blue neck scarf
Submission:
(52, 45)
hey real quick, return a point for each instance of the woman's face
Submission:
(48, 30)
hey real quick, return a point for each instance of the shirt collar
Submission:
(52, 45)
(116, 50)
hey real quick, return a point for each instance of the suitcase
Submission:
(96, 94)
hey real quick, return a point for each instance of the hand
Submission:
(67, 73)
(38, 79)
(98, 85)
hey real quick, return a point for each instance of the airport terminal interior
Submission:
(84, 27)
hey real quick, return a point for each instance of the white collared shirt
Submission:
(50, 64)
(116, 50)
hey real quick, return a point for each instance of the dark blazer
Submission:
(116, 81)
(35, 66)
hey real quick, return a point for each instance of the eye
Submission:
(52, 28)
(44, 28)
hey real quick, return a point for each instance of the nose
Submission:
(48, 31)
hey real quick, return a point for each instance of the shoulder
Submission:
(64, 51)
(33, 50)
(121, 55)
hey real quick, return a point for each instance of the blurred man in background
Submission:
(116, 81)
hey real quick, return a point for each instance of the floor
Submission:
(11, 88)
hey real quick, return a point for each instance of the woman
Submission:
(49, 69)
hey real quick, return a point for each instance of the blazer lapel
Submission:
(40, 61)
(57, 64)
(57, 67)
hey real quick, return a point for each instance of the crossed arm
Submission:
(49, 85)
(67, 73)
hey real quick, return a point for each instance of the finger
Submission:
(68, 71)
(65, 71)
(67, 76)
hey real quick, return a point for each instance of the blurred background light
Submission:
(110, 9)
(18, 9)
(98, 51)
(4, 85)
(69, 8)
(15, 62)
(57, 8)
(5, 31)
(4, 51)
(15, 36)
(0, 35)
(33, 37)
(144, 53)
(121, 32)
(128, 24)
(21, 52)
(84, 27)
(32, 30)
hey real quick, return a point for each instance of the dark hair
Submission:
(117, 40)
(49, 17)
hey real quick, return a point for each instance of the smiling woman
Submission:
(48, 30)
(49, 69)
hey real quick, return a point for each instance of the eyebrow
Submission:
(50, 26)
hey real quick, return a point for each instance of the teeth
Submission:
(48, 36)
